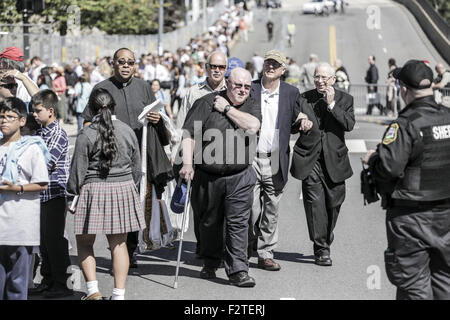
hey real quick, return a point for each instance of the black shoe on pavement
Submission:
(242, 279)
(208, 273)
(324, 261)
(58, 291)
(40, 289)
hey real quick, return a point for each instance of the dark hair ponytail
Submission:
(102, 104)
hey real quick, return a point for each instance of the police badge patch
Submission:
(391, 134)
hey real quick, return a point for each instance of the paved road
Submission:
(360, 239)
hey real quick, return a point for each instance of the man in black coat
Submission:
(320, 158)
(372, 87)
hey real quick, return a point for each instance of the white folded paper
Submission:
(155, 106)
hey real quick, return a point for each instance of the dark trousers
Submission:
(322, 199)
(417, 260)
(14, 272)
(54, 247)
(372, 105)
(220, 200)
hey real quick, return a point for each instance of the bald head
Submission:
(440, 69)
(238, 85)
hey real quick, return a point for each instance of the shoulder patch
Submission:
(391, 134)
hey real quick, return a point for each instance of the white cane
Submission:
(185, 213)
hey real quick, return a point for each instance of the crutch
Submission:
(185, 213)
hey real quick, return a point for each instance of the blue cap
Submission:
(234, 63)
(178, 198)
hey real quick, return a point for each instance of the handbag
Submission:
(166, 84)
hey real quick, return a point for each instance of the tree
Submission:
(110, 16)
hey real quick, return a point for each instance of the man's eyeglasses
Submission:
(124, 62)
(8, 118)
(272, 63)
(221, 67)
(240, 85)
(319, 78)
(9, 86)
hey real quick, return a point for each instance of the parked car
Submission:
(273, 4)
(319, 7)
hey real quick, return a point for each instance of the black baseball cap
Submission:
(415, 74)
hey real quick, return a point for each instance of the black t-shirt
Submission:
(221, 147)
(130, 100)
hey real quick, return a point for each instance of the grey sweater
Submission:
(85, 162)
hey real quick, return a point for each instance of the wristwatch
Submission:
(227, 108)
(21, 190)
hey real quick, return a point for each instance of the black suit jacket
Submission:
(288, 109)
(326, 135)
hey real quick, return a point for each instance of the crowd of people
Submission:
(235, 197)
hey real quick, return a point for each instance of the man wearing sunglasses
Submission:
(224, 139)
(216, 67)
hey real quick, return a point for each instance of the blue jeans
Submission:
(14, 272)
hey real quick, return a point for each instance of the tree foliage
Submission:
(110, 16)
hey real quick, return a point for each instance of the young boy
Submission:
(54, 247)
(24, 175)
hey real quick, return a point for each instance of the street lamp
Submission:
(160, 26)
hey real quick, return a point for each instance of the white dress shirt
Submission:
(269, 134)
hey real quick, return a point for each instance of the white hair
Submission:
(219, 53)
(325, 65)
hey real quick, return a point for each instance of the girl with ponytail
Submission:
(106, 167)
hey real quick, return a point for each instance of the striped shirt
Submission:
(59, 165)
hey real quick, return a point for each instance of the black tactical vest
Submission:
(427, 175)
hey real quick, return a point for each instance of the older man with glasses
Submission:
(224, 140)
(216, 67)
(321, 159)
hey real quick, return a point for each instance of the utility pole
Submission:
(186, 18)
(204, 15)
(26, 39)
(160, 26)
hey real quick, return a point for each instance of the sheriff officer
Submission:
(413, 163)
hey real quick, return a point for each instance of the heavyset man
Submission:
(222, 190)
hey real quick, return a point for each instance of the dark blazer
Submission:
(327, 135)
(288, 109)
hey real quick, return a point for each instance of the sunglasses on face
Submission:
(124, 62)
(221, 67)
(240, 85)
(8, 86)
(273, 64)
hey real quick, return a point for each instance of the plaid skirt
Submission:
(109, 208)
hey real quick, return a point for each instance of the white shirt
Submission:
(269, 134)
(162, 73)
(20, 214)
(258, 62)
(149, 72)
(22, 92)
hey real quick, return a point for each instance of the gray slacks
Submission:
(264, 217)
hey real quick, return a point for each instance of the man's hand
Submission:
(7, 186)
(153, 117)
(301, 115)
(13, 74)
(187, 171)
(220, 103)
(306, 125)
(329, 95)
(368, 155)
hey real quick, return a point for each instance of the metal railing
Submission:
(62, 49)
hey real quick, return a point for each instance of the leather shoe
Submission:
(268, 264)
(208, 273)
(242, 279)
(58, 292)
(40, 289)
(324, 261)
